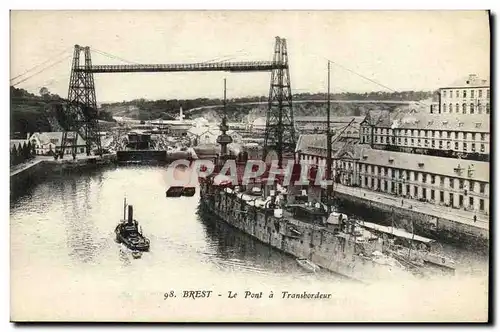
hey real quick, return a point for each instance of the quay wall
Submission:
(444, 228)
(24, 179)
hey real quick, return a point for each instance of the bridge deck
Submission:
(184, 67)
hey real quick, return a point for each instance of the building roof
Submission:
(45, 137)
(448, 121)
(428, 164)
(333, 119)
(470, 81)
(315, 144)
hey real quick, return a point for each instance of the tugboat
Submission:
(128, 233)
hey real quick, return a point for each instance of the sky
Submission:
(412, 50)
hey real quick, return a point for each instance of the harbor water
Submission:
(66, 265)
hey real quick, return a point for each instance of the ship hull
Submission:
(319, 245)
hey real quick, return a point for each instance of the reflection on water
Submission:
(62, 236)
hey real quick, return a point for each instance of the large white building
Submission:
(458, 134)
(462, 184)
(470, 95)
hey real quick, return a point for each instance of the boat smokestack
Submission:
(130, 214)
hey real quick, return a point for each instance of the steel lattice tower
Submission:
(280, 130)
(82, 106)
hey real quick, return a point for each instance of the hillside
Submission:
(29, 113)
(142, 109)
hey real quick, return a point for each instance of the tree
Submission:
(26, 152)
(13, 155)
(33, 150)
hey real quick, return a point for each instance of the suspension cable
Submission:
(368, 79)
(41, 71)
(40, 64)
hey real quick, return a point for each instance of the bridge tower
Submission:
(280, 130)
(81, 111)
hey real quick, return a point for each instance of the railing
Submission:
(182, 67)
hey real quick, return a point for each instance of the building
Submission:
(447, 135)
(48, 142)
(470, 95)
(457, 183)
(312, 150)
(208, 135)
(461, 184)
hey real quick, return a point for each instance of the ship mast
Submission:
(328, 145)
(224, 139)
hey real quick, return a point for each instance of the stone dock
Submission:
(453, 225)
(34, 171)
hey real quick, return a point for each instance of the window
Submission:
(481, 201)
(441, 181)
(440, 144)
(488, 108)
(479, 107)
(464, 108)
(440, 134)
(385, 185)
(424, 178)
(471, 186)
(460, 184)
(406, 141)
(81, 150)
(456, 135)
(487, 93)
(465, 146)
(451, 108)
(444, 108)
(482, 148)
(373, 183)
(448, 134)
(471, 201)
(366, 181)
(457, 94)
(378, 183)
(483, 136)
(456, 145)
(480, 93)
(451, 183)
(448, 145)
(433, 143)
(415, 191)
(412, 141)
(432, 194)
(433, 179)
(451, 199)
(441, 196)
(471, 94)
(444, 94)
(471, 108)
(399, 140)
(473, 147)
(482, 186)
(465, 93)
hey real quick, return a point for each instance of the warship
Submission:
(281, 216)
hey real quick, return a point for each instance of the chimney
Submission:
(130, 214)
